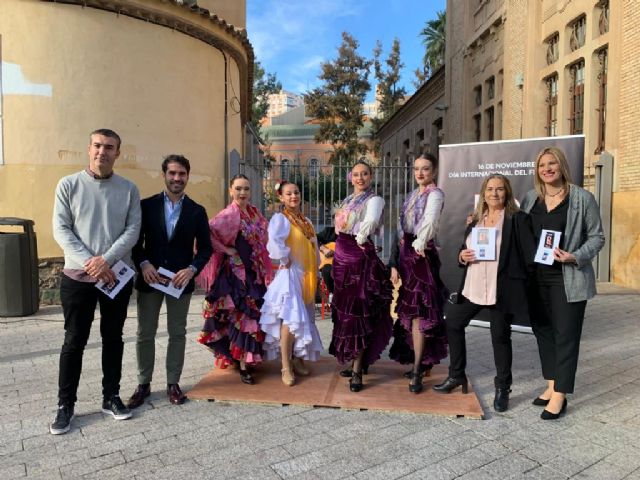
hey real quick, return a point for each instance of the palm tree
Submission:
(434, 39)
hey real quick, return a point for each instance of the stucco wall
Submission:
(82, 69)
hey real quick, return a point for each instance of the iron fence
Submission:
(324, 185)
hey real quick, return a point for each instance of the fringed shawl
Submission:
(224, 229)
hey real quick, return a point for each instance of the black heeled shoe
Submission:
(501, 399)
(540, 402)
(425, 370)
(451, 383)
(347, 372)
(547, 415)
(355, 384)
(416, 382)
(245, 377)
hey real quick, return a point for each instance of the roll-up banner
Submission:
(463, 167)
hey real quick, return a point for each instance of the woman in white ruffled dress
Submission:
(287, 315)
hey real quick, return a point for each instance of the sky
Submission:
(291, 38)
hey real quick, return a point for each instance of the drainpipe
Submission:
(226, 130)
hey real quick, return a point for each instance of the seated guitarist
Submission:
(326, 241)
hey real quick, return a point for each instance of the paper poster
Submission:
(123, 272)
(549, 241)
(483, 242)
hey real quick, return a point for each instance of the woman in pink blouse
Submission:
(497, 286)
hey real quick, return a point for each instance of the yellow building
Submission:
(170, 76)
(535, 68)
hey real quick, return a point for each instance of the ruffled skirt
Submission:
(361, 305)
(232, 313)
(422, 296)
(283, 303)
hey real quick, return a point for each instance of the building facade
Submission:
(282, 102)
(168, 76)
(536, 68)
(417, 126)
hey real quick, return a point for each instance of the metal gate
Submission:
(323, 187)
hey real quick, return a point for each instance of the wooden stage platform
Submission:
(384, 389)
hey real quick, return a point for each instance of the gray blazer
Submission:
(583, 237)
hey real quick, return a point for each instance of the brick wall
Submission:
(628, 160)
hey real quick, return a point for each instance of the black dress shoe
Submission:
(501, 400)
(355, 384)
(547, 415)
(450, 383)
(137, 399)
(540, 402)
(176, 397)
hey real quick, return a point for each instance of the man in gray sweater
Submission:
(96, 221)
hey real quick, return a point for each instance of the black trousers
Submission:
(79, 300)
(457, 318)
(326, 276)
(557, 325)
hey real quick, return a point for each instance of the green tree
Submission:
(338, 102)
(263, 85)
(434, 40)
(388, 91)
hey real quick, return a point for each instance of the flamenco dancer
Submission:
(288, 309)
(236, 280)
(420, 333)
(362, 292)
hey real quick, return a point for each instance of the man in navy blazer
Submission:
(174, 236)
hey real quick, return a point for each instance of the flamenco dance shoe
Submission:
(547, 415)
(416, 382)
(355, 384)
(451, 383)
(425, 370)
(287, 377)
(540, 402)
(299, 367)
(501, 399)
(347, 372)
(245, 377)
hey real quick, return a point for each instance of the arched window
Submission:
(313, 167)
(284, 169)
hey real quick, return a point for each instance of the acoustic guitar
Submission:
(327, 258)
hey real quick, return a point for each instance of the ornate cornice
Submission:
(244, 58)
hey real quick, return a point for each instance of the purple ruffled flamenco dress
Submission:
(361, 305)
(422, 295)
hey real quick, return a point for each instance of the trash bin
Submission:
(19, 293)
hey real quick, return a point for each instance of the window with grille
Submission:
(552, 105)
(477, 92)
(489, 118)
(603, 60)
(603, 20)
(576, 117)
(578, 33)
(491, 87)
(284, 169)
(313, 167)
(553, 50)
(477, 127)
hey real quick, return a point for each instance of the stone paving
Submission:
(598, 439)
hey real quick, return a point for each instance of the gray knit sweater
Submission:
(96, 217)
